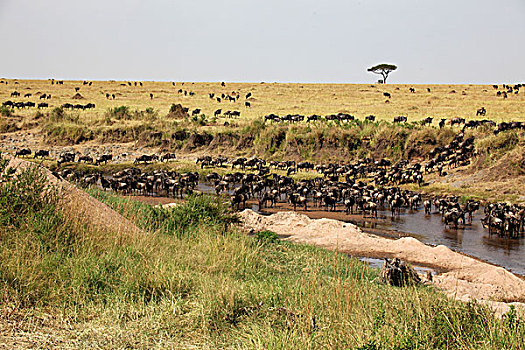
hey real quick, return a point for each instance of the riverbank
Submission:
(464, 278)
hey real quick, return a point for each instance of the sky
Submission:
(431, 41)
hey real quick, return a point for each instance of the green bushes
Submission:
(67, 134)
(6, 111)
(498, 144)
(125, 113)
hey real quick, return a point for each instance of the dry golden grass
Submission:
(357, 99)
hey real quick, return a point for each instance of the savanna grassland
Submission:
(133, 123)
(193, 279)
(443, 101)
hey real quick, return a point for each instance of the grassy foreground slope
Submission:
(195, 280)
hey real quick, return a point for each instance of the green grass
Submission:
(195, 280)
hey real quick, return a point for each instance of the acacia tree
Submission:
(383, 69)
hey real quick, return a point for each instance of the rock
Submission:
(397, 273)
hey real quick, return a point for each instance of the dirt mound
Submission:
(77, 96)
(177, 112)
(465, 278)
(84, 208)
(198, 140)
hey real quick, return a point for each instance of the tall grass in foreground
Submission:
(191, 282)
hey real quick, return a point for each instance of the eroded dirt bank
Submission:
(80, 206)
(464, 278)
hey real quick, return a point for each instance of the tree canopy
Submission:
(383, 69)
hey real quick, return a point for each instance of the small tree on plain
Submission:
(383, 69)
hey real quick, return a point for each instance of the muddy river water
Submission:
(473, 239)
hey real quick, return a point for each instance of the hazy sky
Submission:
(431, 41)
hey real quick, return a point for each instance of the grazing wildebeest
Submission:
(400, 118)
(217, 112)
(457, 120)
(28, 95)
(43, 96)
(41, 153)
(15, 94)
(387, 94)
(43, 105)
(196, 111)
(167, 157)
(248, 95)
(23, 152)
(103, 159)
(85, 159)
(145, 159)
(247, 104)
(481, 111)
(370, 118)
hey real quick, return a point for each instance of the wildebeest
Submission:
(41, 153)
(15, 94)
(196, 111)
(43, 105)
(481, 111)
(103, 159)
(168, 157)
(23, 152)
(151, 96)
(247, 104)
(457, 120)
(400, 118)
(217, 112)
(85, 159)
(427, 120)
(370, 118)
(387, 94)
(145, 159)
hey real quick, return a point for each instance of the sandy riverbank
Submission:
(464, 278)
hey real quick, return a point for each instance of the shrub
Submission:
(6, 111)
(266, 237)
(121, 112)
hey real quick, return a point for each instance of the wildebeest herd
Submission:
(359, 188)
